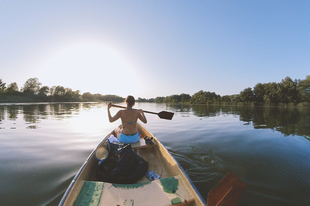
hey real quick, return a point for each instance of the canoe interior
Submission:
(159, 159)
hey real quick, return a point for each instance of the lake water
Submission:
(42, 146)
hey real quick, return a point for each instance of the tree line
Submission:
(287, 92)
(33, 91)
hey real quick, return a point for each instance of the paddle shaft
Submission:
(162, 114)
(113, 105)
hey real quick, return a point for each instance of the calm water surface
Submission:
(42, 146)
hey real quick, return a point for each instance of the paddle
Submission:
(228, 191)
(162, 115)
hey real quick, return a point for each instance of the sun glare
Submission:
(90, 67)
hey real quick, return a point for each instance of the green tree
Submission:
(76, 95)
(44, 91)
(97, 96)
(272, 93)
(111, 98)
(185, 97)
(289, 93)
(12, 87)
(259, 92)
(173, 98)
(87, 96)
(199, 97)
(72, 95)
(2, 86)
(59, 91)
(144, 100)
(304, 89)
(247, 95)
(159, 99)
(226, 98)
(203, 97)
(235, 98)
(32, 86)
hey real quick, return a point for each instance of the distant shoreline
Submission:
(251, 104)
(287, 93)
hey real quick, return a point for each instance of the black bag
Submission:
(122, 165)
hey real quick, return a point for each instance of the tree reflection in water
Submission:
(288, 121)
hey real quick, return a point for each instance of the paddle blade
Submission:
(165, 115)
(228, 191)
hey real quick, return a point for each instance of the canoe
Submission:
(86, 189)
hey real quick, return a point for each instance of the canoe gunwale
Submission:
(160, 149)
(64, 198)
(160, 145)
(188, 178)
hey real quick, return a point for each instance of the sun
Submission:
(90, 67)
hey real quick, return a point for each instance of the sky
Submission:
(152, 48)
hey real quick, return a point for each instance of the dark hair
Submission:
(130, 100)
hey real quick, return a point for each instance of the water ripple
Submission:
(270, 177)
(278, 179)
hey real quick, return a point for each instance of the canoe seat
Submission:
(140, 144)
(165, 191)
